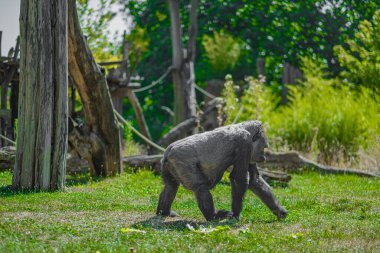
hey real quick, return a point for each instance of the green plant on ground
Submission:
(326, 213)
(130, 146)
(231, 101)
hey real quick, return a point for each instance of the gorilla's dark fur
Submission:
(198, 163)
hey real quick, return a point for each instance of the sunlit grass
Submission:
(326, 213)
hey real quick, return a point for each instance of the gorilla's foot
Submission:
(173, 214)
(281, 213)
(221, 215)
(231, 216)
(168, 214)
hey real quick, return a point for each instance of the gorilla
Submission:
(198, 162)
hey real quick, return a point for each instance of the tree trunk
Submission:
(183, 63)
(92, 88)
(260, 67)
(42, 131)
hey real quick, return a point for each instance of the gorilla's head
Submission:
(259, 143)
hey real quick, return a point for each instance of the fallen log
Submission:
(292, 161)
(288, 161)
(7, 157)
(153, 162)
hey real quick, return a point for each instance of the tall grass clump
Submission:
(130, 146)
(326, 117)
(256, 101)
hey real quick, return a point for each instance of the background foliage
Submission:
(332, 113)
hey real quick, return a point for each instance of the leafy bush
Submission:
(222, 50)
(323, 117)
(326, 117)
(361, 59)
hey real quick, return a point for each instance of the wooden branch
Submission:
(180, 130)
(108, 63)
(139, 114)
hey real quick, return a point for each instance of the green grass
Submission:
(326, 213)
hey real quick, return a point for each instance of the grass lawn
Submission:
(326, 213)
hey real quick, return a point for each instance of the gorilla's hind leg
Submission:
(167, 195)
(205, 202)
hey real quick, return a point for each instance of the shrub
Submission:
(323, 117)
(328, 118)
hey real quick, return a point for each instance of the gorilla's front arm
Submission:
(198, 162)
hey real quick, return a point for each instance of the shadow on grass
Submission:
(178, 224)
(71, 180)
(80, 179)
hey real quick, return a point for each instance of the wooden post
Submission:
(42, 131)
(183, 67)
(260, 66)
(5, 121)
(285, 82)
(14, 107)
(290, 75)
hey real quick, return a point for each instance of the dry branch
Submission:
(181, 130)
(92, 87)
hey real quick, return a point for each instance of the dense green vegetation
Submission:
(326, 213)
(233, 34)
(323, 117)
(331, 118)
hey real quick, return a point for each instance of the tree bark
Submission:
(42, 132)
(183, 63)
(92, 88)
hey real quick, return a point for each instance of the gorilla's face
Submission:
(259, 144)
